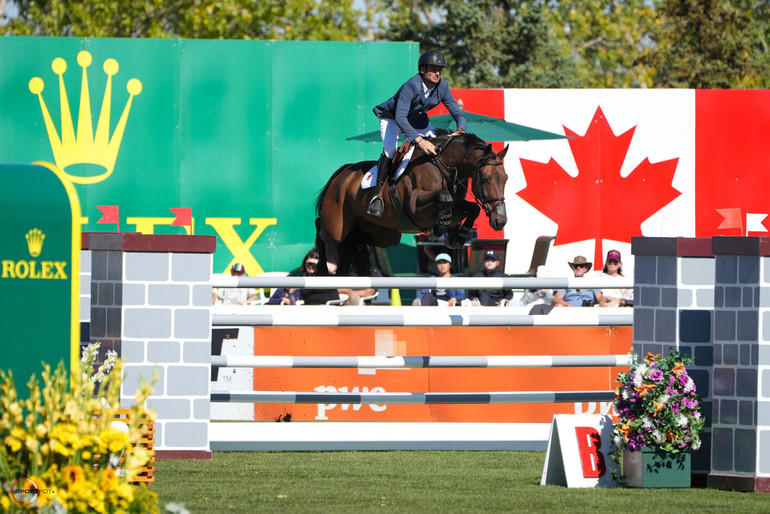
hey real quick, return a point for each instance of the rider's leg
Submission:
(389, 131)
(376, 204)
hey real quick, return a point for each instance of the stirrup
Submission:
(376, 206)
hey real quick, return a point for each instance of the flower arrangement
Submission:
(658, 405)
(59, 448)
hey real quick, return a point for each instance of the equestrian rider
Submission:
(407, 113)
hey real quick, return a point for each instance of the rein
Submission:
(449, 175)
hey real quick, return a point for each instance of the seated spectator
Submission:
(321, 296)
(613, 268)
(235, 295)
(490, 297)
(290, 296)
(442, 296)
(541, 297)
(579, 297)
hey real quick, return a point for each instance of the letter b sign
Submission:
(592, 460)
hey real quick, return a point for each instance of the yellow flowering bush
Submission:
(59, 448)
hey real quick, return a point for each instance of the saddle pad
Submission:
(370, 177)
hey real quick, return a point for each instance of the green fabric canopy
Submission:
(487, 128)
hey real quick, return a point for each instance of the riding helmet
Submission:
(432, 58)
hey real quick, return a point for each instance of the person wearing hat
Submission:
(406, 113)
(613, 268)
(235, 295)
(441, 296)
(490, 297)
(579, 297)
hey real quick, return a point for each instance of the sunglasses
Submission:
(310, 264)
(581, 265)
(613, 261)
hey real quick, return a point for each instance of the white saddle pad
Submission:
(370, 177)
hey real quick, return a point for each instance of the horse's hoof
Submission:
(455, 241)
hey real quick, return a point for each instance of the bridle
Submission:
(449, 175)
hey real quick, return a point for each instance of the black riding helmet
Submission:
(431, 58)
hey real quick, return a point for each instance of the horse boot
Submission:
(377, 204)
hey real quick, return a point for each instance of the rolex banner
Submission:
(226, 138)
(39, 269)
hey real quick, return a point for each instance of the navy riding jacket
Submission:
(409, 107)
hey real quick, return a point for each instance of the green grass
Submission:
(409, 482)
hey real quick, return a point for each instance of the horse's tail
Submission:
(320, 199)
(355, 254)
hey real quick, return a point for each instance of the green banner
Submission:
(39, 269)
(242, 133)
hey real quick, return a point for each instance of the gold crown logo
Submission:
(35, 238)
(85, 147)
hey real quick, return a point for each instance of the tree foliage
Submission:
(489, 43)
(710, 44)
(319, 20)
(605, 38)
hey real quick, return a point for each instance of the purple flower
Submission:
(656, 375)
(689, 402)
(683, 379)
(675, 408)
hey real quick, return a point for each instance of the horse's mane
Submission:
(470, 141)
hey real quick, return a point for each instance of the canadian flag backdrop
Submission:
(638, 162)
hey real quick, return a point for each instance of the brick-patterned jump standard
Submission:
(151, 302)
(710, 298)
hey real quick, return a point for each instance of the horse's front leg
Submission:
(470, 211)
(424, 207)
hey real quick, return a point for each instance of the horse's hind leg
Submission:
(445, 218)
(327, 252)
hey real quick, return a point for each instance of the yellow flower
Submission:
(109, 480)
(73, 475)
(5, 503)
(15, 440)
(113, 440)
(32, 444)
(45, 495)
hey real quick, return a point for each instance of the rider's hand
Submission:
(426, 146)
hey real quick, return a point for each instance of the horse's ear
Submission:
(488, 149)
(503, 152)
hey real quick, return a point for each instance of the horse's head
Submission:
(489, 186)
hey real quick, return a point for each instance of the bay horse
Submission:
(428, 197)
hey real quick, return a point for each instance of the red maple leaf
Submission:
(599, 203)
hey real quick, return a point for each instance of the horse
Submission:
(428, 197)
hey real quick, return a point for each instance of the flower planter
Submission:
(653, 468)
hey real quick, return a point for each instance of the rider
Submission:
(407, 113)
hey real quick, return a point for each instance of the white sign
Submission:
(578, 451)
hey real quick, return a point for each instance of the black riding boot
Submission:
(376, 204)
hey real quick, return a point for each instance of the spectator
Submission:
(490, 297)
(235, 295)
(613, 268)
(539, 296)
(579, 297)
(290, 296)
(321, 296)
(441, 296)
